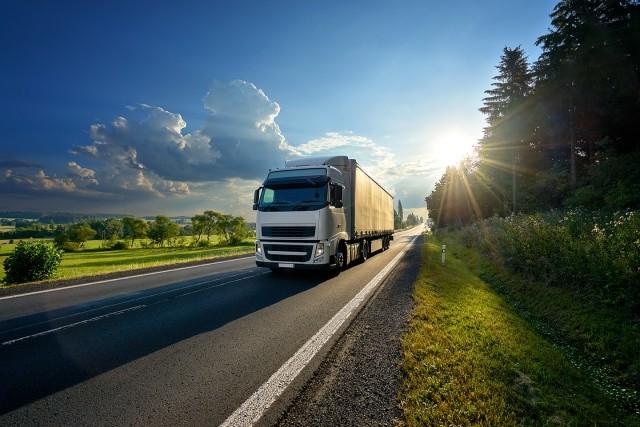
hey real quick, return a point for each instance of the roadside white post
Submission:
(444, 253)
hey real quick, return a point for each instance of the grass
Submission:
(470, 358)
(94, 260)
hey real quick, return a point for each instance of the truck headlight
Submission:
(320, 249)
(258, 248)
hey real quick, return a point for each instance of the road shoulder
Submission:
(358, 382)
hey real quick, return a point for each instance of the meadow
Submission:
(94, 259)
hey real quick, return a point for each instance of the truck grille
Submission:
(305, 254)
(309, 231)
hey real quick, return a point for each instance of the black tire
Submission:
(364, 250)
(340, 260)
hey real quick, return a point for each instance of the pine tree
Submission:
(504, 144)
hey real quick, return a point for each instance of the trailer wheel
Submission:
(364, 250)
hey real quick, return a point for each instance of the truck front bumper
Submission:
(290, 266)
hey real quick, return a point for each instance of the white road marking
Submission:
(123, 278)
(141, 298)
(220, 284)
(256, 405)
(71, 325)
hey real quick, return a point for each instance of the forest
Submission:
(562, 131)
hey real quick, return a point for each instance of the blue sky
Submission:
(213, 94)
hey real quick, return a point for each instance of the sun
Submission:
(453, 146)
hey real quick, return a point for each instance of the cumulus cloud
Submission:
(242, 126)
(407, 180)
(85, 174)
(149, 154)
(153, 139)
(20, 182)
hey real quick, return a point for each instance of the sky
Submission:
(174, 108)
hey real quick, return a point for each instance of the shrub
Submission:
(586, 251)
(70, 247)
(11, 241)
(31, 261)
(202, 244)
(119, 245)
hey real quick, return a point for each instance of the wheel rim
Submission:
(340, 259)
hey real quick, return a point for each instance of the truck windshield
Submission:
(293, 198)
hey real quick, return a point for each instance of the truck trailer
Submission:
(320, 213)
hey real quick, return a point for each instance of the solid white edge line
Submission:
(257, 404)
(122, 278)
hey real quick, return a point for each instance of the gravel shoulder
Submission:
(357, 384)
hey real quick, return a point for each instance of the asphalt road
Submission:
(183, 347)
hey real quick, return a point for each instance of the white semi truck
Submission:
(320, 213)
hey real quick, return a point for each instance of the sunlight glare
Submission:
(452, 147)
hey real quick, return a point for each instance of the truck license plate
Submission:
(284, 265)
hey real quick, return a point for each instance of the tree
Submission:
(210, 222)
(162, 229)
(113, 229)
(80, 232)
(400, 213)
(233, 229)
(134, 228)
(197, 227)
(587, 73)
(505, 138)
(397, 223)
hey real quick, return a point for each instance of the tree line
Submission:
(561, 132)
(162, 231)
(399, 221)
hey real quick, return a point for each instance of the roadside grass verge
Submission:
(469, 358)
(94, 262)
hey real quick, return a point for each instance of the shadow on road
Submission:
(40, 366)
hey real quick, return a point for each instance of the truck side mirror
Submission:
(256, 197)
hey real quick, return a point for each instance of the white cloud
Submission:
(13, 182)
(85, 174)
(407, 180)
(146, 156)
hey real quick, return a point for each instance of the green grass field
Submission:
(471, 359)
(93, 260)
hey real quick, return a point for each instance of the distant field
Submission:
(6, 228)
(95, 261)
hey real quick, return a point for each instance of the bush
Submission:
(31, 261)
(202, 244)
(586, 251)
(69, 246)
(120, 245)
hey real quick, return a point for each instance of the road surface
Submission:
(201, 345)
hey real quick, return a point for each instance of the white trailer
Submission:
(320, 213)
